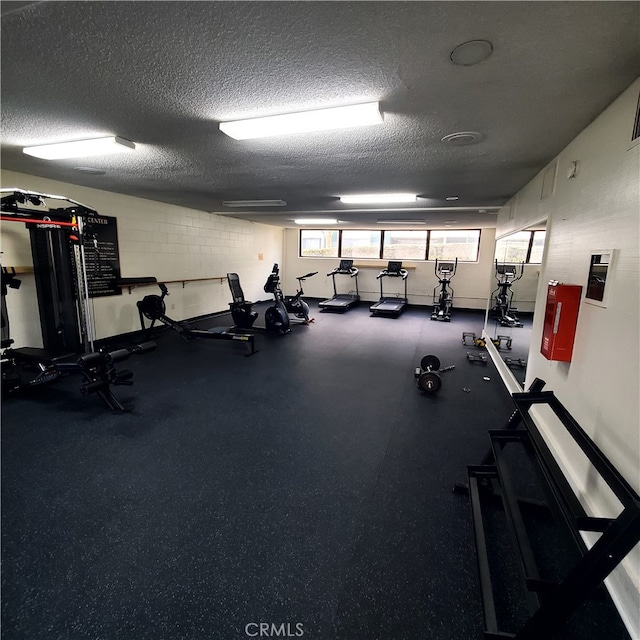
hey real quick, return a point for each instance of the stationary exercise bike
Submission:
(443, 298)
(295, 305)
(276, 317)
(502, 309)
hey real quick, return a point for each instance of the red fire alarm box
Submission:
(560, 321)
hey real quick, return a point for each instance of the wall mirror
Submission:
(517, 264)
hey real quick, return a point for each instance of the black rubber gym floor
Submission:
(309, 485)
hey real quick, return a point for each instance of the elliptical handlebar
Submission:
(504, 272)
(451, 273)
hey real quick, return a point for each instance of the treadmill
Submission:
(387, 306)
(341, 302)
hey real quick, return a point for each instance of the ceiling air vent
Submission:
(462, 138)
(549, 181)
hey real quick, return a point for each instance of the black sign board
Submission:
(102, 255)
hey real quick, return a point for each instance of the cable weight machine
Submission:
(57, 242)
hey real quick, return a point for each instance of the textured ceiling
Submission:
(163, 74)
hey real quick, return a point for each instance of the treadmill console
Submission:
(394, 267)
(345, 265)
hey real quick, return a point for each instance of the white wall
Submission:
(155, 239)
(472, 283)
(598, 209)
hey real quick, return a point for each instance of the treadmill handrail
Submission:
(403, 273)
(353, 271)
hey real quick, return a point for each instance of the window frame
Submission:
(381, 246)
(529, 246)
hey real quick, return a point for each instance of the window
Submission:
(513, 248)
(393, 244)
(319, 243)
(523, 246)
(404, 245)
(537, 247)
(360, 244)
(449, 245)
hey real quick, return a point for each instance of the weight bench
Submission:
(97, 368)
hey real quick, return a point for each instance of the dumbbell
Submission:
(481, 358)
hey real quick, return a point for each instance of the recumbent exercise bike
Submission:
(277, 316)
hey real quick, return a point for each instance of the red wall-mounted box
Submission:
(560, 321)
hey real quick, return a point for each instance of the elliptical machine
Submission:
(502, 310)
(443, 298)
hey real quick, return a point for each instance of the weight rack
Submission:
(550, 604)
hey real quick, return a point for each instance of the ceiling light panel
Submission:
(379, 198)
(357, 115)
(254, 203)
(80, 148)
(405, 222)
(316, 221)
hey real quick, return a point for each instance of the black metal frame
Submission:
(550, 604)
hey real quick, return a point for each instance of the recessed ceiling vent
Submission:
(462, 138)
(472, 52)
(90, 170)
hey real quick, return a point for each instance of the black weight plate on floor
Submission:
(430, 382)
(430, 362)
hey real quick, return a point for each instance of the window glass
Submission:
(360, 244)
(537, 247)
(449, 245)
(404, 245)
(514, 248)
(319, 242)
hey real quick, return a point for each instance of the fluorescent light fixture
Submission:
(80, 148)
(356, 115)
(254, 203)
(316, 221)
(411, 221)
(451, 198)
(379, 198)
